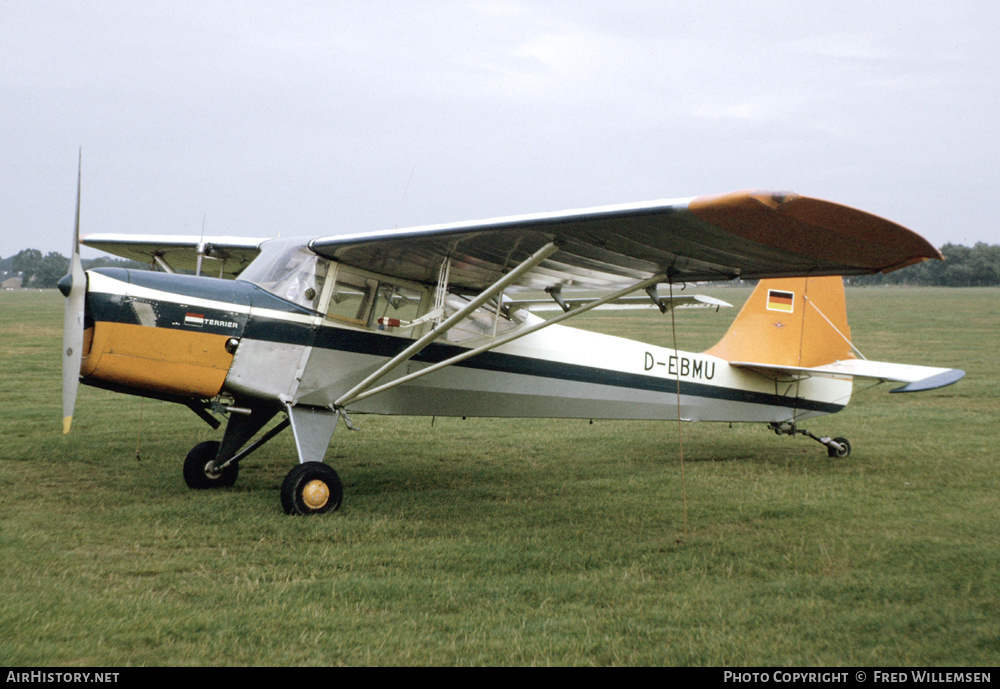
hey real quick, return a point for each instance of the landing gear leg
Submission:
(312, 487)
(216, 465)
(835, 447)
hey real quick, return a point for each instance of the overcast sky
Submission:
(314, 118)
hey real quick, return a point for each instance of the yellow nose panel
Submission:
(179, 362)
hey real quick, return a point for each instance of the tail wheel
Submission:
(311, 488)
(843, 452)
(199, 470)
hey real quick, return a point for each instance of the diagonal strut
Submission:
(495, 289)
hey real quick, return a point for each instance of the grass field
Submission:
(495, 542)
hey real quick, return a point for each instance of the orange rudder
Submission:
(798, 322)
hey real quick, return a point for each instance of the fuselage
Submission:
(185, 337)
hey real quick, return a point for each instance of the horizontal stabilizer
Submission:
(947, 377)
(917, 378)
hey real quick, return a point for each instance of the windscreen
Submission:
(290, 271)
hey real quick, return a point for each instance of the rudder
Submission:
(798, 322)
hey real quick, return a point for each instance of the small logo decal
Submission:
(194, 320)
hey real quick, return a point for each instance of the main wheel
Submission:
(311, 488)
(833, 452)
(199, 473)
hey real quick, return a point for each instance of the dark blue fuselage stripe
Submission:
(375, 344)
(109, 308)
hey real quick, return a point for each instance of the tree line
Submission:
(977, 266)
(44, 271)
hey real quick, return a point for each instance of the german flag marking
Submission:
(778, 300)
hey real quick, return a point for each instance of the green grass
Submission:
(493, 542)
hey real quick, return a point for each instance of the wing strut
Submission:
(201, 254)
(643, 284)
(162, 263)
(493, 291)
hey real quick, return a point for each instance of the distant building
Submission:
(10, 281)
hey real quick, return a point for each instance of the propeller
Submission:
(74, 288)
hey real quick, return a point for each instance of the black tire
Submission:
(311, 488)
(839, 455)
(196, 471)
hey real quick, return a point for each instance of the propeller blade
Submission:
(74, 287)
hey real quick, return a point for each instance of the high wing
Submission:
(748, 234)
(217, 256)
(743, 234)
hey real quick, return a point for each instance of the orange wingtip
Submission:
(815, 228)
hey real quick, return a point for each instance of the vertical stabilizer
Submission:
(790, 322)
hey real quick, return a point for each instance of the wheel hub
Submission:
(315, 494)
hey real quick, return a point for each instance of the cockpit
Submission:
(361, 299)
(356, 298)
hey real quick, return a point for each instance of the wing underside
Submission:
(746, 234)
(217, 256)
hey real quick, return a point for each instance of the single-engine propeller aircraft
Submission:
(434, 321)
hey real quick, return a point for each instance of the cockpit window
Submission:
(370, 302)
(352, 299)
(396, 306)
(290, 271)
